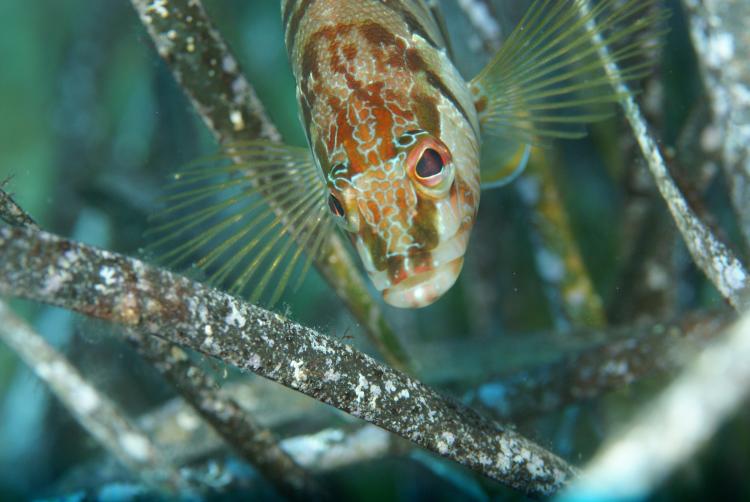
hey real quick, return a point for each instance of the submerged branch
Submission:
(256, 444)
(675, 425)
(179, 427)
(96, 413)
(722, 44)
(211, 77)
(44, 267)
(322, 451)
(628, 354)
(713, 257)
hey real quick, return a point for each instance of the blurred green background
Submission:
(92, 123)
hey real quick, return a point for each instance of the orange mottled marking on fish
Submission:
(356, 78)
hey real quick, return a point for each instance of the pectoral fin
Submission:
(547, 76)
(502, 166)
(246, 216)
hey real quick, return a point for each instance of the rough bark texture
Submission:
(721, 39)
(47, 268)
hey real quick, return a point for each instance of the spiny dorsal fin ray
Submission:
(548, 69)
(217, 216)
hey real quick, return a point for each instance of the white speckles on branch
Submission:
(299, 374)
(235, 117)
(69, 258)
(320, 344)
(210, 345)
(536, 467)
(389, 386)
(108, 275)
(158, 7)
(331, 376)
(361, 387)
(269, 340)
(235, 317)
(734, 276)
(240, 88)
(255, 361)
(55, 282)
(229, 64)
(445, 442)
(502, 461)
(375, 393)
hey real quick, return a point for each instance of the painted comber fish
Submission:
(399, 142)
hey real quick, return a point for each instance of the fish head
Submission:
(410, 214)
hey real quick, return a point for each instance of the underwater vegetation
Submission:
(179, 336)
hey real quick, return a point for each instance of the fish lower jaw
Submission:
(420, 290)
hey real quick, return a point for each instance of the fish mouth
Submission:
(416, 286)
(422, 289)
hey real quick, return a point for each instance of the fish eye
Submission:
(335, 206)
(430, 164)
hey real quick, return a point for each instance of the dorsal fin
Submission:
(420, 16)
(217, 217)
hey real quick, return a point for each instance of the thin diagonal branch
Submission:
(101, 417)
(713, 257)
(209, 74)
(44, 267)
